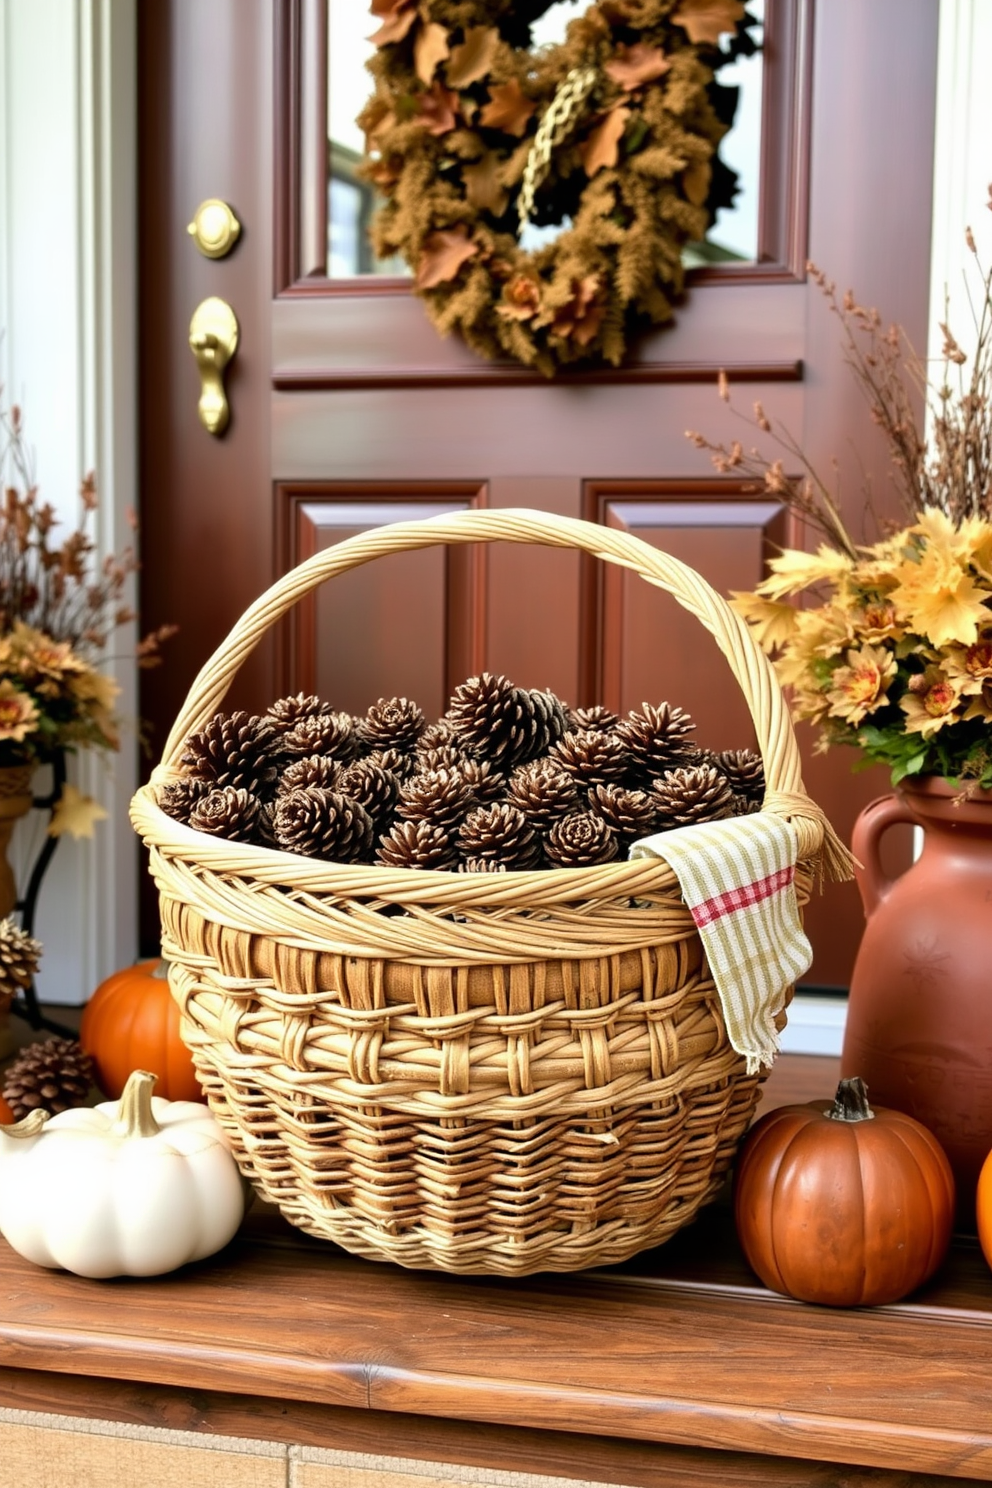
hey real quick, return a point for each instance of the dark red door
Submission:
(347, 409)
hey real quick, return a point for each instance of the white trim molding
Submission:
(68, 265)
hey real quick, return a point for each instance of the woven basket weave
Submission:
(477, 1073)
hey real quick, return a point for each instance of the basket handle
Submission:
(785, 793)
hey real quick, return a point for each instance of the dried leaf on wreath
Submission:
(438, 109)
(483, 186)
(76, 814)
(581, 318)
(397, 18)
(474, 58)
(636, 65)
(429, 50)
(696, 182)
(602, 148)
(508, 109)
(376, 119)
(443, 255)
(708, 20)
(512, 169)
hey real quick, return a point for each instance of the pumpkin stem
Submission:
(28, 1126)
(851, 1101)
(160, 971)
(134, 1111)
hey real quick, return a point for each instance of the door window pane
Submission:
(352, 201)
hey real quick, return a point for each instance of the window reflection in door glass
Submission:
(352, 201)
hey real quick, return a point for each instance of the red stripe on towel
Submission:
(745, 897)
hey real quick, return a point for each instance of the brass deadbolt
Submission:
(214, 229)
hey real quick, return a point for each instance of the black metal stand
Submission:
(26, 1005)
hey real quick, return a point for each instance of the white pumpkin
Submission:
(134, 1187)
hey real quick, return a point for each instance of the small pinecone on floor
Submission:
(19, 957)
(543, 792)
(417, 844)
(700, 793)
(745, 771)
(502, 723)
(392, 723)
(235, 749)
(486, 783)
(500, 834)
(314, 769)
(330, 734)
(443, 797)
(178, 798)
(631, 813)
(656, 738)
(52, 1076)
(234, 814)
(289, 711)
(581, 841)
(375, 788)
(601, 720)
(320, 823)
(591, 758)
(394, 762)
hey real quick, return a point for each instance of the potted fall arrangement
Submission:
(887, 647)
(59, 604)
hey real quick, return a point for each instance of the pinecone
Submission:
(551, 718)
(234, 814)
(392, 723)
(234, 749)
(500, 834)
(499, 722)
(393, 762)
(331, 734)
(376, 789)
(656, 738)
(438, 757)
(417, 844)
(314, 769)
(591, 758)
(178, 798)
(320, 823)
(601, 720)
(19, 957)
(436, 735)
(745, 771)
(485, 782)
(631, 813)
(581, 840)
(52, 1076)
(289, 711)
(700, 793)
(443, 797)
(543, 792)
(480, 865)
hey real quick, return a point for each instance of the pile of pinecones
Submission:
(508, 779)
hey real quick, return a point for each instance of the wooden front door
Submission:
(347, 410)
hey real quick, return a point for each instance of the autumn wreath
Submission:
(613, 134)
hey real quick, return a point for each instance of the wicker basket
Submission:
(474, 1073)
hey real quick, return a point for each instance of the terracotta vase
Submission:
(919, 1026)
(15, 802)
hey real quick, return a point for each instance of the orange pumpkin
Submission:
(846, 1206)
(132, 1022)
(983, 1208)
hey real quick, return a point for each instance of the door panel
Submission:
(346, 404)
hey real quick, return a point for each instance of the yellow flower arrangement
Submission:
(55, 619)
(891, 650)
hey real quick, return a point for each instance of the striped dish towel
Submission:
(738, 881)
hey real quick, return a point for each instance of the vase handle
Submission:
(869, 829)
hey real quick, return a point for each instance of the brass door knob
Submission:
(214, 229)
(213, 340)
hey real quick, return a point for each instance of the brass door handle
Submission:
(213, 340)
